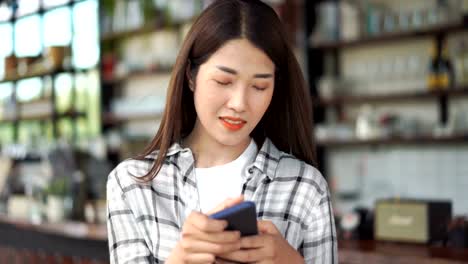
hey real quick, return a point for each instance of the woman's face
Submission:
(233, 89)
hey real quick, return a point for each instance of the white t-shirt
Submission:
(218, 183)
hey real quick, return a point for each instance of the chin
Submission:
(232, 140)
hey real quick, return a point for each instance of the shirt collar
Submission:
(266, 161)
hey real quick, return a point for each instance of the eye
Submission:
(259, 88)
(223, 83)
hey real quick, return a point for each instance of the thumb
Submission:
(226, 204)
(267, 227)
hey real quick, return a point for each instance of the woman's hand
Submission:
(204, 238)
(267, 247)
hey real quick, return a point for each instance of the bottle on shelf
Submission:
(433, 71)
(441, 73)
(446, 72)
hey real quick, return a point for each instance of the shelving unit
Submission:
(43, 117)
(128, 77)
(391, 37)
(144, 30)
(316, 53)
(135, 74)
(398, 97)
(417, 137)
(43, 73)
(42, 10)
(127, 33)
(426, 140)
(54, 116)
(111, 86)
(46, 103)
(112, 119)
(438, 32)
(32, 75)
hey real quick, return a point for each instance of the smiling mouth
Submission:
(232, 124)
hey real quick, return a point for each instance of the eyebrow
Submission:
(232, 71)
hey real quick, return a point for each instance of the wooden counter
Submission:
(74, 240)
(68, 242)
(77, 230)
(370, 252)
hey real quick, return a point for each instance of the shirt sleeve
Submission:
(126, 244)
(320, 244)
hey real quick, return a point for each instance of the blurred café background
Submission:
(83, 86)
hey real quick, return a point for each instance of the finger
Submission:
(264, 261)
(246, 255)
(222, 261)
(251, 242)
(268, 227)
(226, 204)
(200, 258)
(219, 237)
(200, 246)
(204, 223)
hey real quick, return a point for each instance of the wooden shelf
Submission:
(44, 73)
(455, 139)
(136, 74)
(112, 119)
(391, 97)
(31, 75)
(42, 117)
(387, 37)
(109, 37)
(127, 33)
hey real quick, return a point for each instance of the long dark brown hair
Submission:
(288, 119)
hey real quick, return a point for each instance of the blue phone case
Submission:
(241, 217)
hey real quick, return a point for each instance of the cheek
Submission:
(260, 103)
(207, 93)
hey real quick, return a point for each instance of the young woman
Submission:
(237, 125)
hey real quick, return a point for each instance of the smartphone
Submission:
(241, 217)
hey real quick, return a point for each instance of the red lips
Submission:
(232, 123)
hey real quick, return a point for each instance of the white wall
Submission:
(421, 172)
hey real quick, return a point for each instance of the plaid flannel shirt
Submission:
(145, 220)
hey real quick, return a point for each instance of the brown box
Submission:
(417, 221)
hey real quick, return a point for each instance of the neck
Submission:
(209, 153)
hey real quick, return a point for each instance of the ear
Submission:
(188, 75)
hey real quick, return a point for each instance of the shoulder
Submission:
(127, 171)
(287, 169)
(305, 176)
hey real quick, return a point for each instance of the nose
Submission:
(238, 99)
